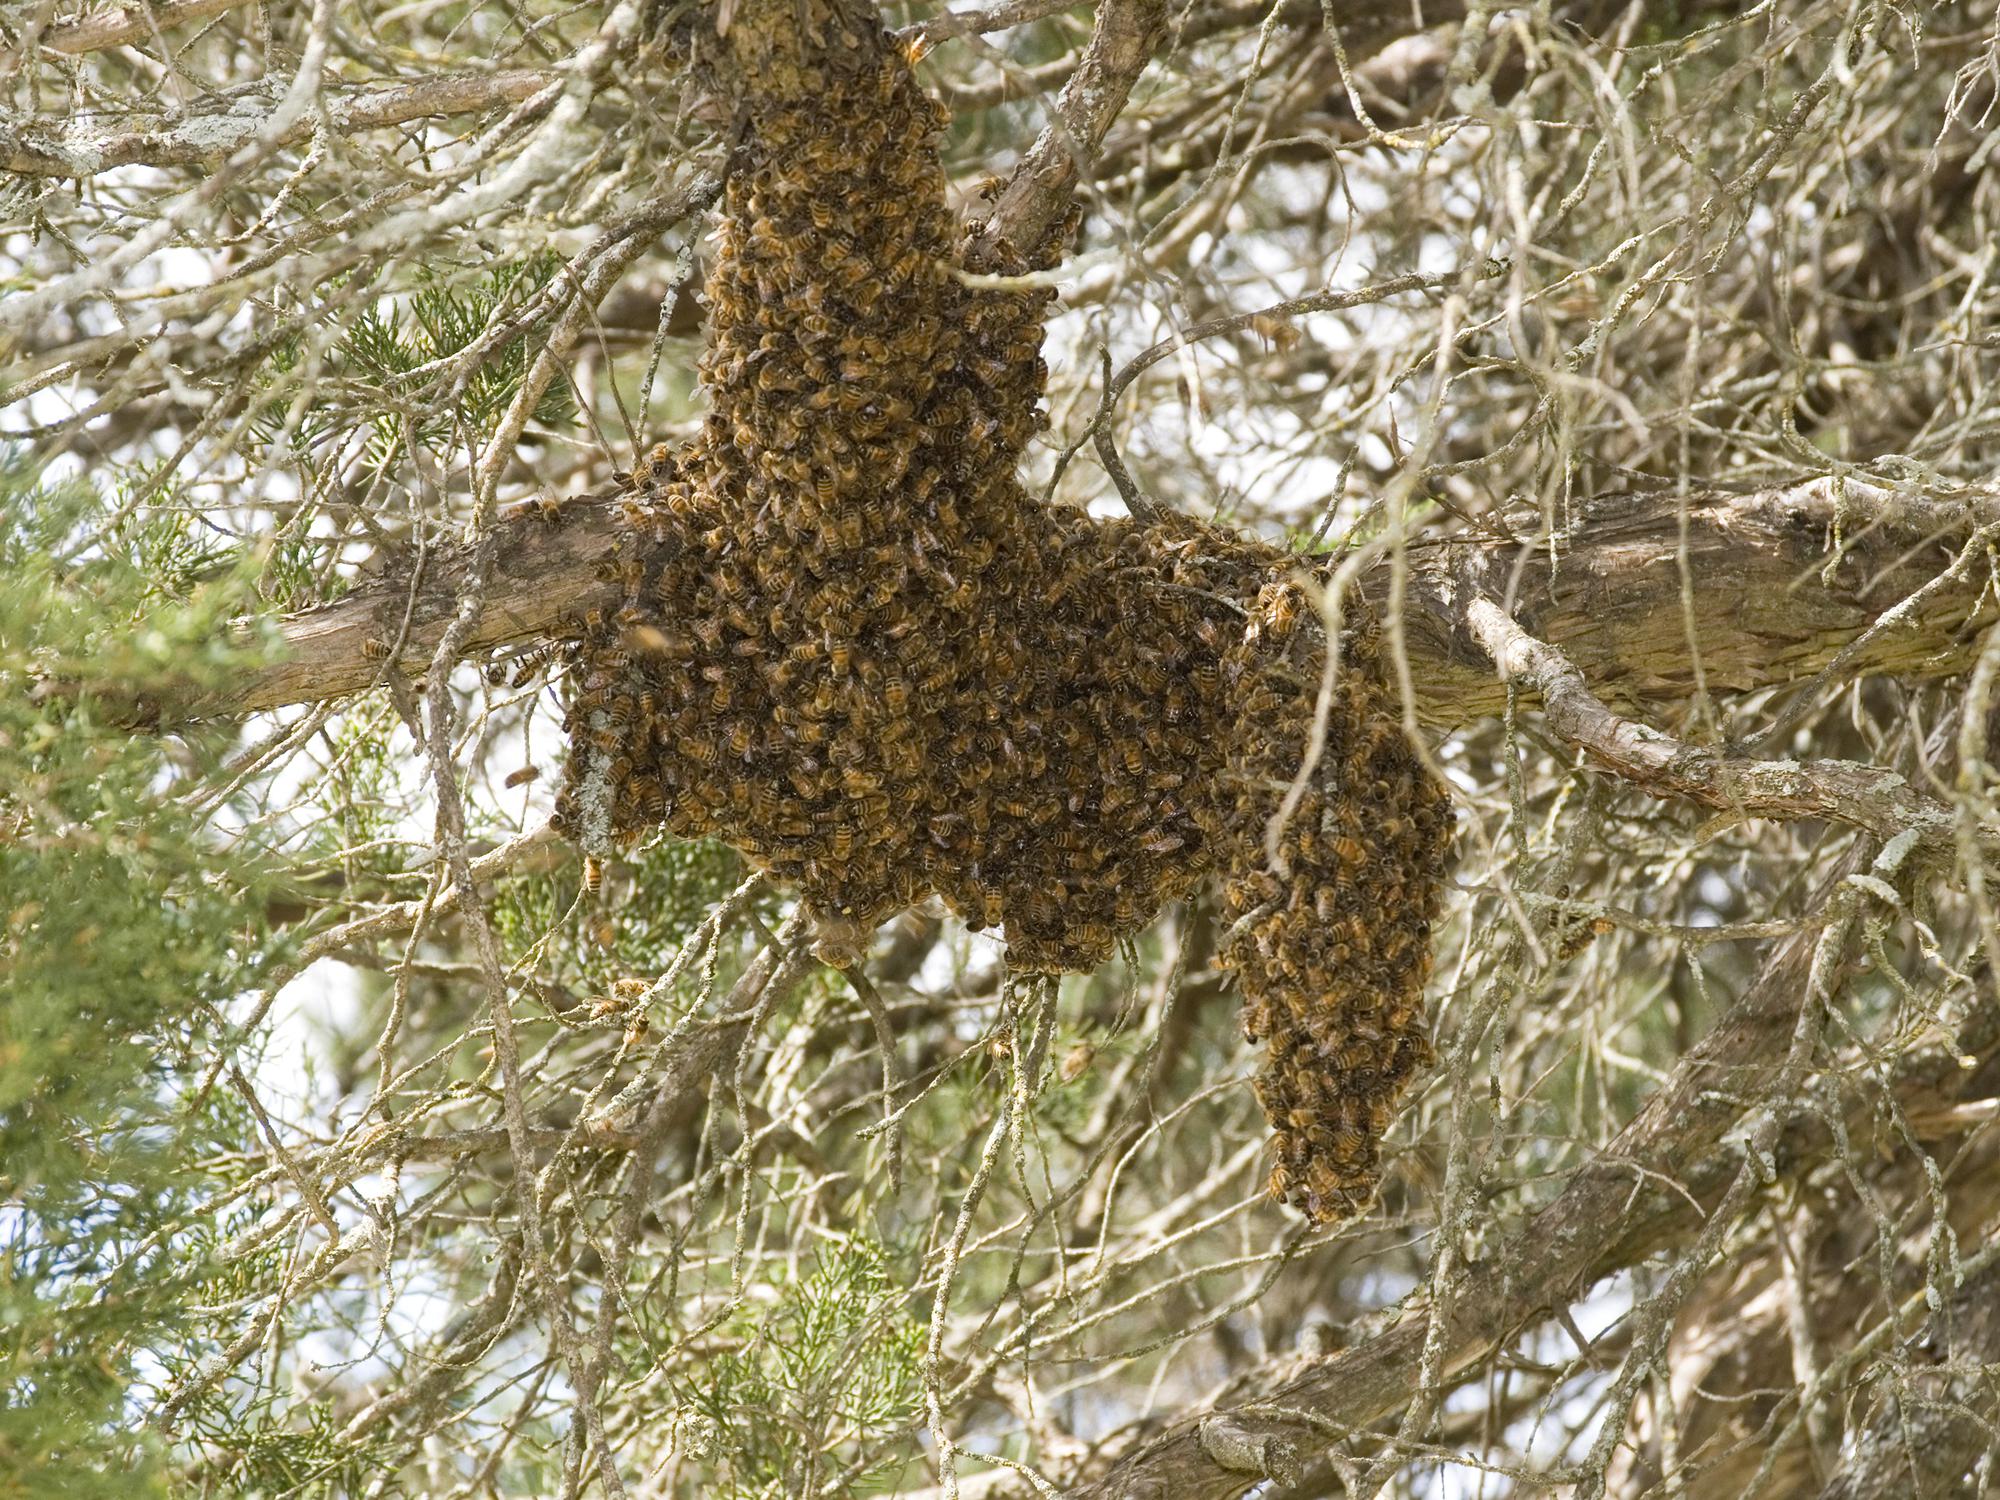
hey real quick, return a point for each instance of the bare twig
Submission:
(1871, 798)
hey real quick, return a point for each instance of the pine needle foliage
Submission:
(123, 922)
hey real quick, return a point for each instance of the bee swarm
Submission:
(854, 648)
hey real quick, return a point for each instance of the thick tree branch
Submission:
(544, 574)
(1771, 604)
(1039, 195)
(1930, 1430)
(1784, 581)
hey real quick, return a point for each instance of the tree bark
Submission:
(1928, 1434)
(1785, 583)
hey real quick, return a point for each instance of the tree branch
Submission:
(209, 137)
(953, 23)
(115, 25)
(1771, 605)
(1873, 798)
(1038, 196)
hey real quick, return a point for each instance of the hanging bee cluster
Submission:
(850, 645)
(1330, 892)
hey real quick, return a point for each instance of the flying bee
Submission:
(593, 874)
(522, 776)
(375, 649)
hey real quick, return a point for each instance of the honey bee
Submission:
(375, 649)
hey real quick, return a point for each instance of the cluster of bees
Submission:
(850, 645)
(1329, 894)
